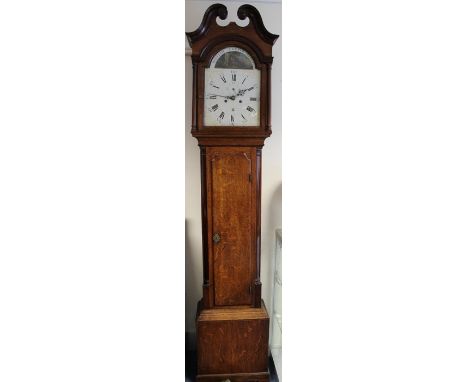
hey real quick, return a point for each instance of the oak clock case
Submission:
(231, 120)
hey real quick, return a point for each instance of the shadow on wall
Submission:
(190, 285)
(275, 206)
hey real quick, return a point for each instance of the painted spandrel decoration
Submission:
(231, 120)
(232, 58)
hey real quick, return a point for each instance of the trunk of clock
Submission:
(231, 213)
(231, 221)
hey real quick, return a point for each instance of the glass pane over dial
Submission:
(232, 90)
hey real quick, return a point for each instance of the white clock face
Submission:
(232, 90)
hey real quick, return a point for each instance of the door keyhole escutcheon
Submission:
(216, 238)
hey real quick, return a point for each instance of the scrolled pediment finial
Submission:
(253, 14)
(214, 11)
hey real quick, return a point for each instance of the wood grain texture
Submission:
(239, 377)
(231, 208)
(191, 372)
(233, 313)
(231, 197)
(232, 340)
(231, 181)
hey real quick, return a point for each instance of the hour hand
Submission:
(219, 95)
(241, 92)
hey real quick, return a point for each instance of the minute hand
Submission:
(219, 95)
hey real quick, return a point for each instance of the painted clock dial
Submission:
(232, 90)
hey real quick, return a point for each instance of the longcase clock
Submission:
(231, 120)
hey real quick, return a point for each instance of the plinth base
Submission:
(232, 344)
(241, 377)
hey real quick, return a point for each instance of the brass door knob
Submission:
(216, 238)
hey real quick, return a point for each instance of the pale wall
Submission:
(271, 186)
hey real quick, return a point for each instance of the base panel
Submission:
(232, 344)
(241, 377)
